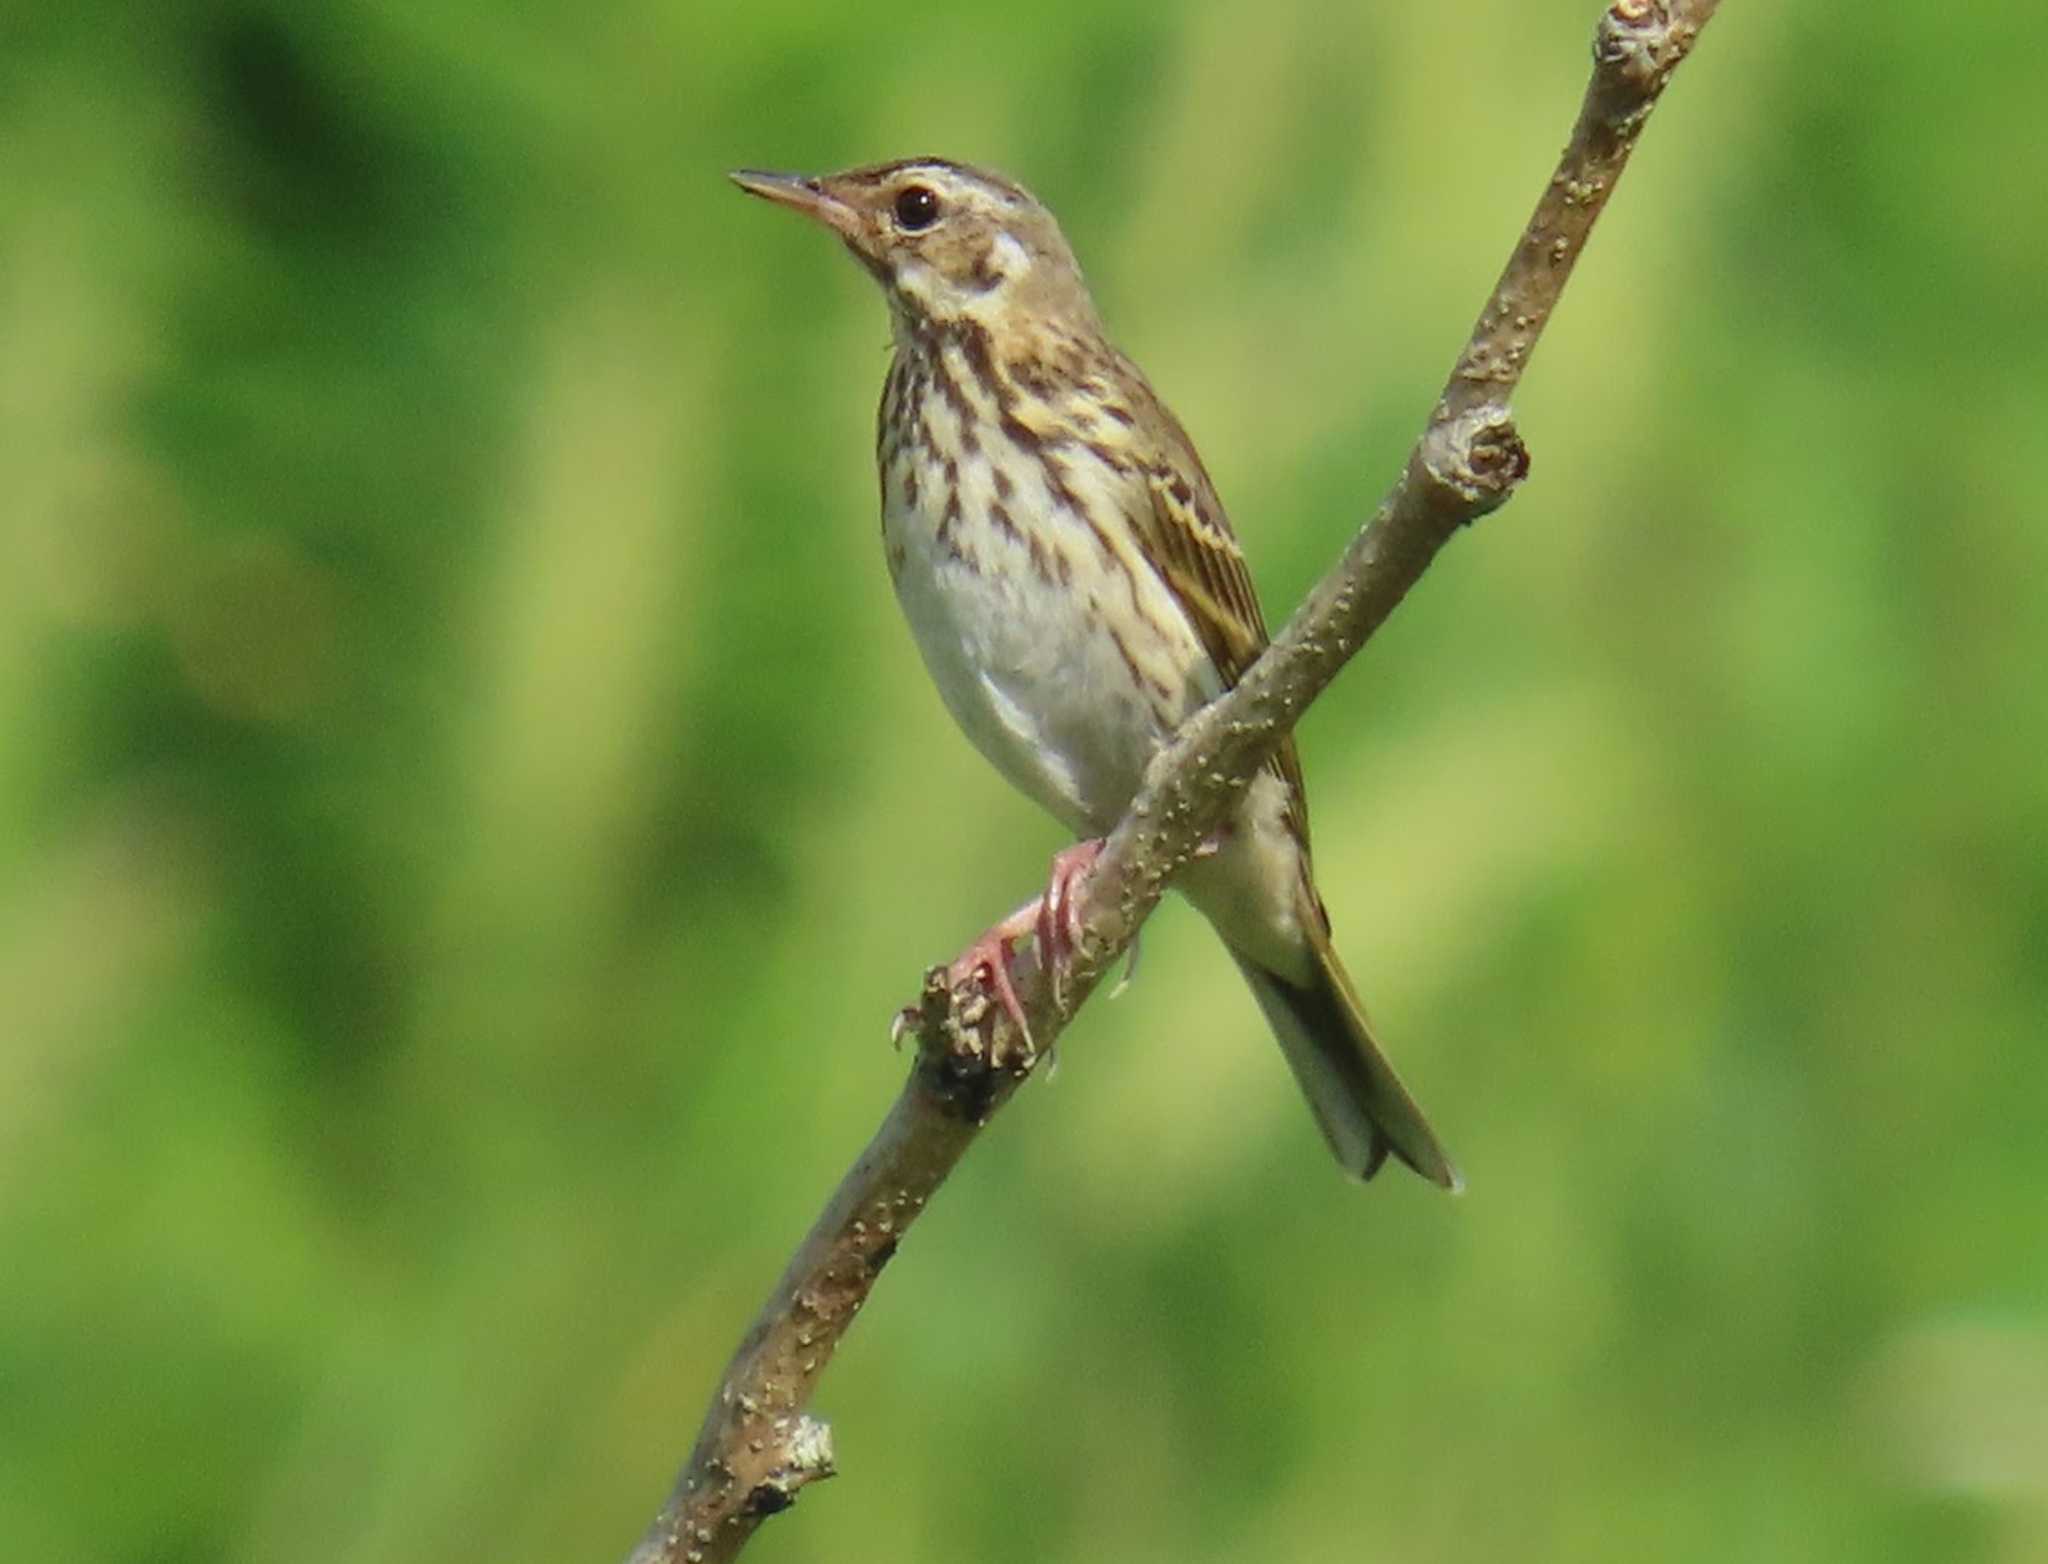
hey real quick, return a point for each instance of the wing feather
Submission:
(1190, 543)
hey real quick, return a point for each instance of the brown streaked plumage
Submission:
(1076, 590)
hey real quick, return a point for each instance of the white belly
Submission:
(1068, 663)
(1058, 649)
(1036, 681)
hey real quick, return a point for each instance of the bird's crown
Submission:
(949, 243)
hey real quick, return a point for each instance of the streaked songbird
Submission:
(1076, 591)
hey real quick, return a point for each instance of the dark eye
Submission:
(917, 208)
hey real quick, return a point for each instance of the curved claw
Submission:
(1130, 969)
(1058, 927)
(1054, 923)
(989, 958)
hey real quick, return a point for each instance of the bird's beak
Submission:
(802, 194)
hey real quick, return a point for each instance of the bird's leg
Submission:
(990, 956)
(1052, 922)
(1058, 927)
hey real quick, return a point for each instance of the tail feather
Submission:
(1359, 1102)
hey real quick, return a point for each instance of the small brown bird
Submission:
(1074, 586)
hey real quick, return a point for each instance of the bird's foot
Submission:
(983, 970)
(1058, 925)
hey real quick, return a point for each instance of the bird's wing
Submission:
(1197, 556)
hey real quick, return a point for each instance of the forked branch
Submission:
(758, 1448)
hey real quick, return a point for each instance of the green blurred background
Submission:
(468, 809)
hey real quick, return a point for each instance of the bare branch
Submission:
(758, 1448)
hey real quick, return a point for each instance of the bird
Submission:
(1076, 592)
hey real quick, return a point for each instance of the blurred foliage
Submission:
(467, 809)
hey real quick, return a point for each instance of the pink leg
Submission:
(1052, 922)
(1058, 927)
(990, 957)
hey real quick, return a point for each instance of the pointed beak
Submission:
(801, 194)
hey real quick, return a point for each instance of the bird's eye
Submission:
(917, 208)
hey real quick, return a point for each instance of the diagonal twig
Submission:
(758, 1447)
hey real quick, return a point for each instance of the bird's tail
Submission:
(1364, 1110)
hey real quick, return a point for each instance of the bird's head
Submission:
(948, 243)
